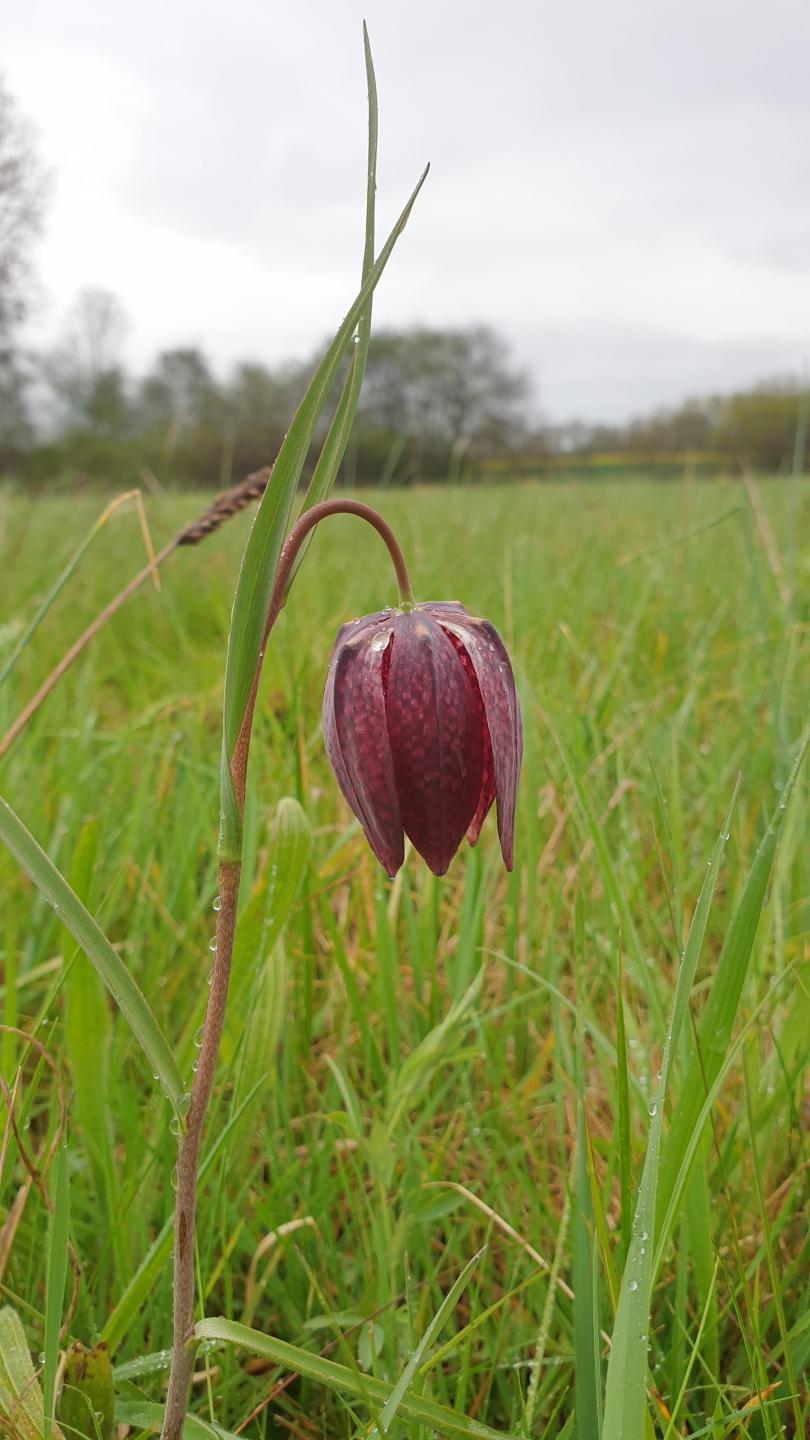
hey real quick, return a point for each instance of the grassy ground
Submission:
(658, 656)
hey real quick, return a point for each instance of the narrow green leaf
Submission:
(400, 1390)
(717, 1018)
(89, 935)
(266, 914)
(56, 1275)
(587, 1366)
(267, 533)
(337, 439)
(672, 1429)
(144, 1415)
(341, 1378)
(626, 1390)
(773, 1265)
(623, 1140)
(42, 610)
(88, 1035)
(434, 1050)
(607, 869)
(267, 1016)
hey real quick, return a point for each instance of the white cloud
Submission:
(624, 180)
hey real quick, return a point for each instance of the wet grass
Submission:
(659, 656)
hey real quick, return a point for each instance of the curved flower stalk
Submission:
(423, 729)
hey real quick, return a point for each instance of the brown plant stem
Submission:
(183, 1346)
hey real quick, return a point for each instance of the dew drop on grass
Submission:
(653, 1110)
(174, 1125)
(644, 1235)
(175, 1178)
(212, 944)
(198, 1035)
(217, 903)
(633, 1285)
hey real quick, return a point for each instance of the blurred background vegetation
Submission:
(438, 405)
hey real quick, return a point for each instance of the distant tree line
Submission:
(437, 404)
(764, 426)
(433, 400)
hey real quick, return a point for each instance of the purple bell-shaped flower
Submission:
(423, 731)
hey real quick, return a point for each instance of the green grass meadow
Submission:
(422, 1072)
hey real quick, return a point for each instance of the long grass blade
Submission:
(55, 1282)
(70, 568)
(88, 934)
(717, 1018)
(88, 1035)
(146, 1415)
(266, 537)
(346, 1381)
(400, 1390)
(625, 1390)
(334, 447)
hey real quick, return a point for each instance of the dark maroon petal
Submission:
(496, 682)
(435, 729)
(356, 736)
(487, 794)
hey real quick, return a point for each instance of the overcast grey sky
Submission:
(622, 188)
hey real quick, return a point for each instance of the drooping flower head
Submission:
(423, 731)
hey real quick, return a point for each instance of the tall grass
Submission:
(425, 1070)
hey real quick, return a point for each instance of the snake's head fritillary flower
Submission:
(423, 731)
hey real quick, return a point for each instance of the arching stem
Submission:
(183, 1345)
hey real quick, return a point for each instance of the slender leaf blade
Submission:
(395, 1399)
(341, 1378)
(717, 1018)
(626, 1389)
(340, 430)
(263, 548)
(57, 1264)
(89, 935)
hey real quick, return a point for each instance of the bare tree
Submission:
(23, 192)
(85, 371)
